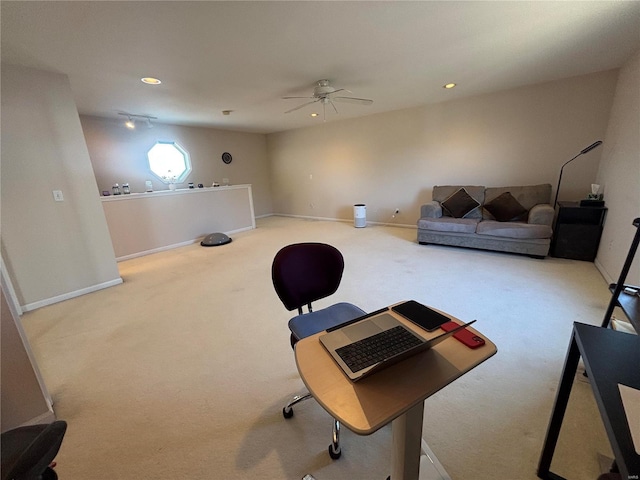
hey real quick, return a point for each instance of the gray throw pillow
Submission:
(460, 204)
(505, 208)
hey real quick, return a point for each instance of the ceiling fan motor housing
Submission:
(323, 92)
(323, 89)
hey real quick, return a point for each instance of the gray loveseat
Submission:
(507, 219)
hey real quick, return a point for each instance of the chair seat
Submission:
(311, 323)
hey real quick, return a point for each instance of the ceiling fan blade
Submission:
(287, 98)
(359, 101)
(300, 106)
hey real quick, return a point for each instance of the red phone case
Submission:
(470, 339)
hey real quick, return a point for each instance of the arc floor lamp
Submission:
(582, 152)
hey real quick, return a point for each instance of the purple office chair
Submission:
(303, 273)
(28, 452)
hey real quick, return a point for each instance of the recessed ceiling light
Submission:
(449, 85)
(313, 115)
(151, 81)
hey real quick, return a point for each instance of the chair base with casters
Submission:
(334, 449)
(308, 324)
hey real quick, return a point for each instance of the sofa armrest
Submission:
(431, 210)
(541, 214)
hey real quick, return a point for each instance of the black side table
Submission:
(577, 231)
(610, 358)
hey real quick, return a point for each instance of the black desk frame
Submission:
(610, 358)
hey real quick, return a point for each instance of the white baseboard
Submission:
(156, 250)
(66, 296)
(328, 219)
(175, 245)
(603, 272)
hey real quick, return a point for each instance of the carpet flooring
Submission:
(182, 371)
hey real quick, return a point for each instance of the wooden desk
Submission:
(610, 358)
(396, 393)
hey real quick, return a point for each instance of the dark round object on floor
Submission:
(334, 455)
(286, 414)
(215, 239)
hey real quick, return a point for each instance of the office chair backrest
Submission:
(28, 451)
(305, 272)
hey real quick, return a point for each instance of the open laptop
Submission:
(345, 342)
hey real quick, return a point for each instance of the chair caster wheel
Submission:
(49, 474)
(287, 414)
(333, 454)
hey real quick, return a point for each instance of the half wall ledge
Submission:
(145, 223)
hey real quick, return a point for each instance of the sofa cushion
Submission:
(513, 229)
(449, 224)
(441, 192)
(505, 208)
(527, 196)
(542, 214)
(460, 204)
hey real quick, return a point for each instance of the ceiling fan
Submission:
(326, 94)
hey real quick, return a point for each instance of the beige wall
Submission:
(22, 399)
(52, 249)
(620, 175)
(392, 160)
(118, 155)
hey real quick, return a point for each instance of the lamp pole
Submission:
(582, 152)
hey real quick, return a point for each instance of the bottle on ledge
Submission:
(116, 189)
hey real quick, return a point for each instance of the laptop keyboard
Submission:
(378, 347)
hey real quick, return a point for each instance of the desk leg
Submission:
(559, 409)
(407, 442)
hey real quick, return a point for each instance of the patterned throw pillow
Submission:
(460, 204)
(505, 208)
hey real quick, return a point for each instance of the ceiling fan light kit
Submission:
(326, 95)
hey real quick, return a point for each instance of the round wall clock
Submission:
(226, 158)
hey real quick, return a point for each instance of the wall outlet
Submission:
(57, 196)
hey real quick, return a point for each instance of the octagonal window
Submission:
(169, 162)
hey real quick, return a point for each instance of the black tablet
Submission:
(421, 315)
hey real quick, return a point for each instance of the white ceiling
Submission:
(245, 56)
